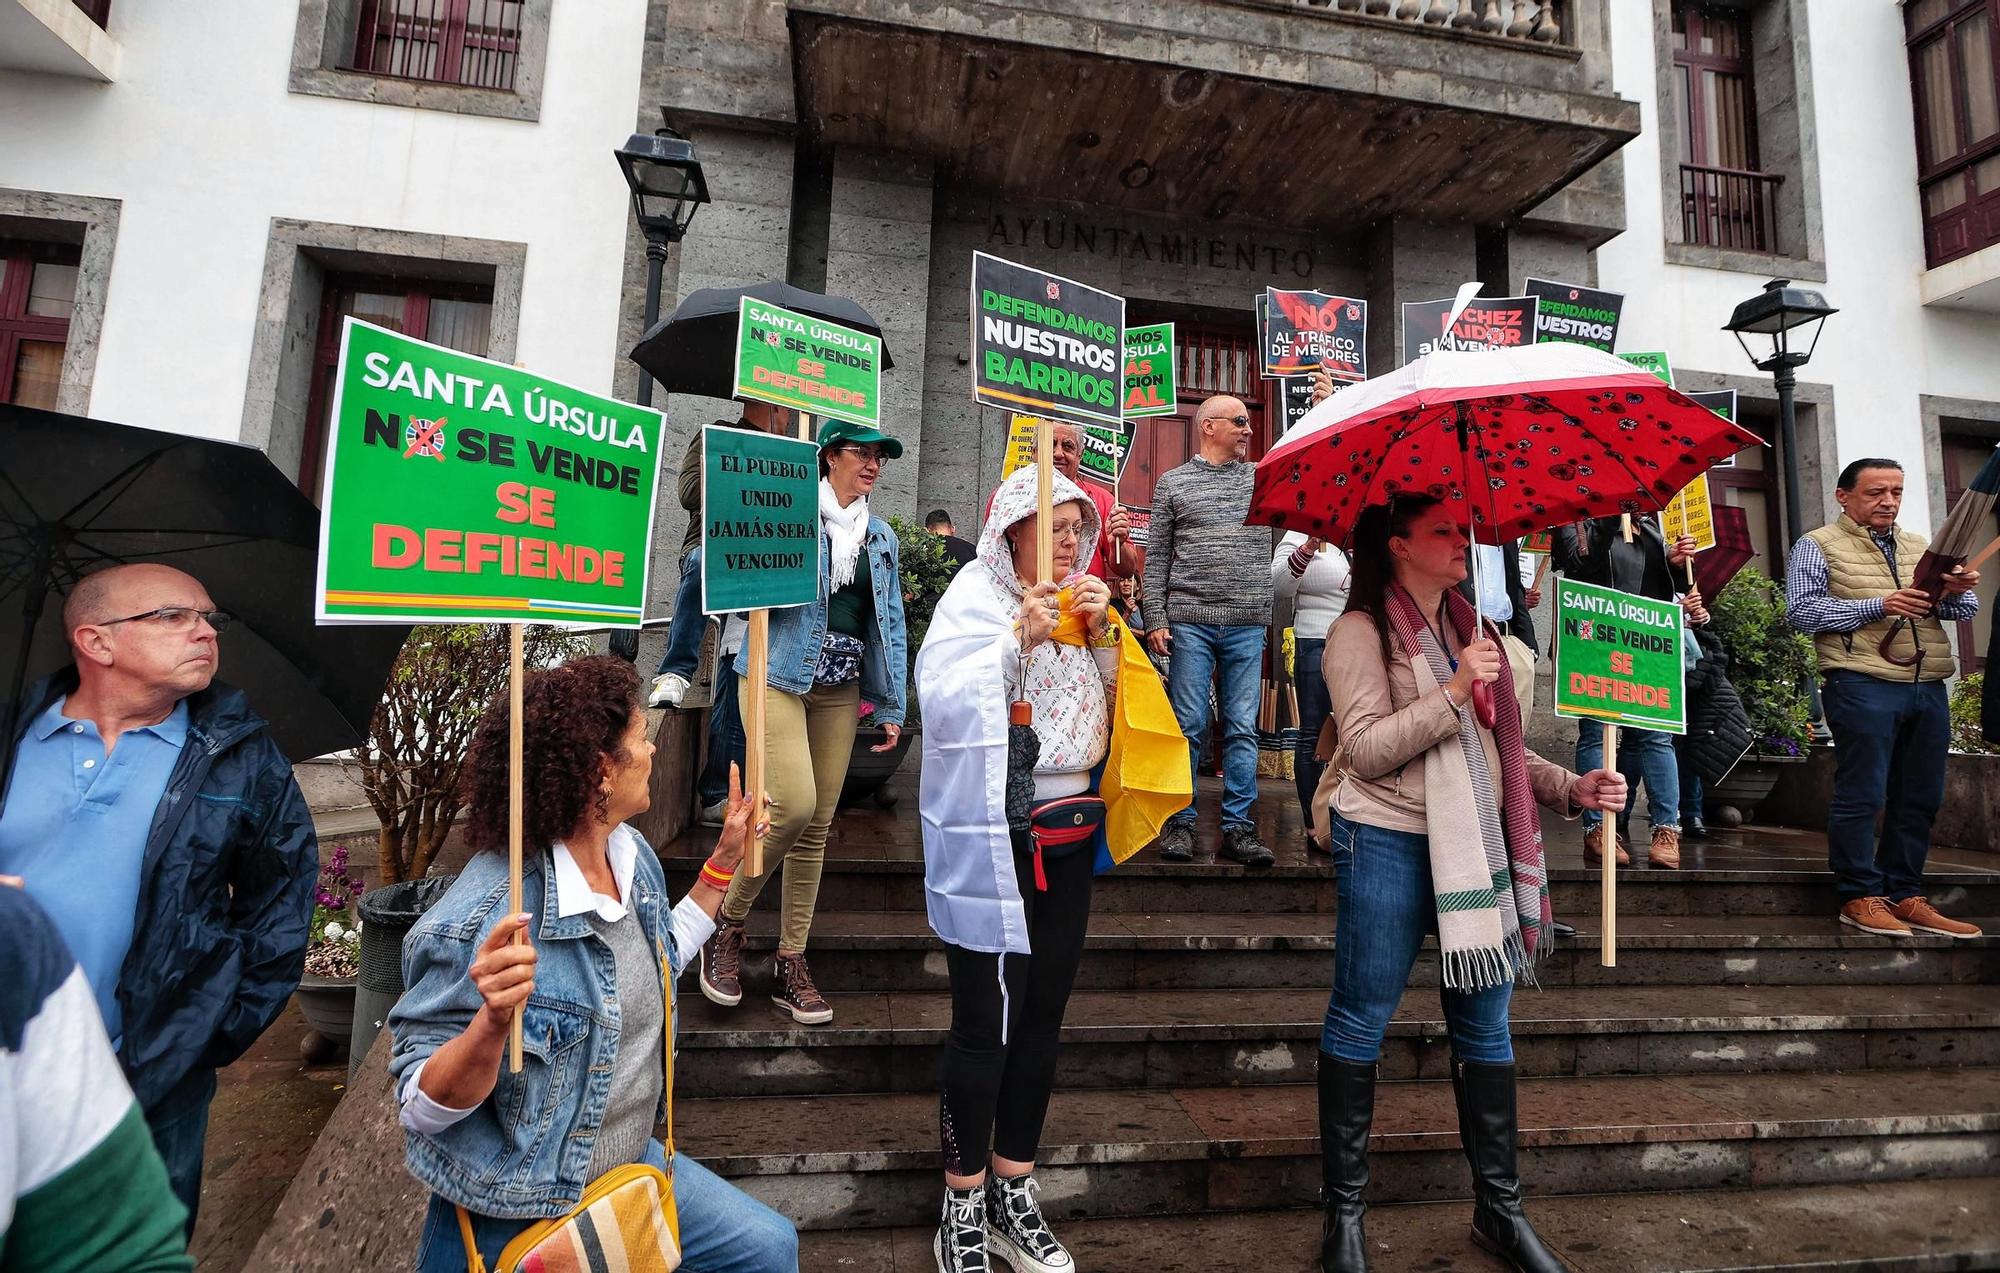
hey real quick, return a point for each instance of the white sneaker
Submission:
(669, 688)
(712, 815)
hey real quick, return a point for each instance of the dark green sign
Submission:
(759, 521)
(1576, 315)
(807, 363)
(1046, 345)
(1618, 658)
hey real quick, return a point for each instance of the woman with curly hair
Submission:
(511, 1149)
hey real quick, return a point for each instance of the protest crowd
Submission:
(1087, 667)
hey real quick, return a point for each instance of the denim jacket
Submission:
(525, 1152)
(798, 633)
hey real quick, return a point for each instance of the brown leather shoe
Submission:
(1920, 915)
(1593, 847)
(1872, 915)
(796, 993)
(722, 965)
(1666, 850)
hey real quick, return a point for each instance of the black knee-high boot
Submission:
(1346, 1109)
(1486, 1124)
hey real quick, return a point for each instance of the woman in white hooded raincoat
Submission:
(1012, 919)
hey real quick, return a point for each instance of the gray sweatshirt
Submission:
(1203, 565)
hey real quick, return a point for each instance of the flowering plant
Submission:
(336, 932)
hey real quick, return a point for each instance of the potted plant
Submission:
(326, 991)
(1772, 666)
(926, 570)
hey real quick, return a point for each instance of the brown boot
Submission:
(722, 965)
(797, 994)
(1666, 850)
(1593, 846)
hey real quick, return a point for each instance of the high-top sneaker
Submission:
(960, 1243)
(722, 965)
(797, 994)
(1015, 1228)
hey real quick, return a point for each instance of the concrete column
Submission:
(1411, 261)
(879, 255)
(743, 236)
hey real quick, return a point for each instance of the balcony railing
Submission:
(1535, 21)
(98, 11)
(1730, 208)
(469, 42)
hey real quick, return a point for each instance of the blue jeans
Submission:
(723, 1229)
(1387, 908)
(1644, 756)
(1232, 656)
(179, 1123)
(725, 737)
(1691, 788)
(1889, 744)
(1314, 707)
(685, 629)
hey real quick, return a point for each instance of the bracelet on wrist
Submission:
(1455, 704)
(715, 878)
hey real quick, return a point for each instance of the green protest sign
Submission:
(1150, 387)
(759, 521)
(807, 363)
(462, 490)
(1045, 344)
(1654, 361)
(1618, 658)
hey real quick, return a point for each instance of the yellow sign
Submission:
(1688, 513)
(1020, 453)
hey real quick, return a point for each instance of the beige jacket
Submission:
(1385, 728)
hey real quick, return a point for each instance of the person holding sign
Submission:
(825, 660)
(1209, 615)
(1008, 883)
(1598, 551)
(1432, 809)
(590, 963)
(1113, 555)
(1883, 658)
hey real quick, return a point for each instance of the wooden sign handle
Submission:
(516, 643)
(755, 690)
(1045, 544)
(1608, 902)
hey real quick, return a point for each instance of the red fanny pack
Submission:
(1061, 827)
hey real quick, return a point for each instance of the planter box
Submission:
(1747, 786)
(1968, 819)
(327, 1003)
(868, 771)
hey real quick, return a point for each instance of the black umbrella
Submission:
(77, 494)
(693, 349)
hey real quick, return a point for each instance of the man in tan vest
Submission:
(1884, 660)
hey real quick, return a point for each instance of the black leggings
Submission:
(1000, 1092)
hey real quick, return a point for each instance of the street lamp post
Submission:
(1785, 317)
(667, 187)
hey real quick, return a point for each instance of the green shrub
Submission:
(1770, 663)
(1966, 734)
(927, 570)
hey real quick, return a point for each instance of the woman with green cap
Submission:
(826, 659)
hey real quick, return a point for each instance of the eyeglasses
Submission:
(866, 454)
(1240, 421)
(1066, 532)
(176, 619)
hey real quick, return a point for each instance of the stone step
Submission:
(1905, 1226)
(891, 1042)
(839, 1162)
(1790, 886)
(896, 950)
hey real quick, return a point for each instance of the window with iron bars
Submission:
(476, 43)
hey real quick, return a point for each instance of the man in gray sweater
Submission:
(1208, 600)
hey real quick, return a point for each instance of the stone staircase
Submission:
(1752, 1086)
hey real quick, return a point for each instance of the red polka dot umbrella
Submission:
(1520, 439)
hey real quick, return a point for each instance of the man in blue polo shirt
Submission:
(160, 828)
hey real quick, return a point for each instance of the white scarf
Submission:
(846, 531)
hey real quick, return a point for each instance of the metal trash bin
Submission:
(387, 915)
